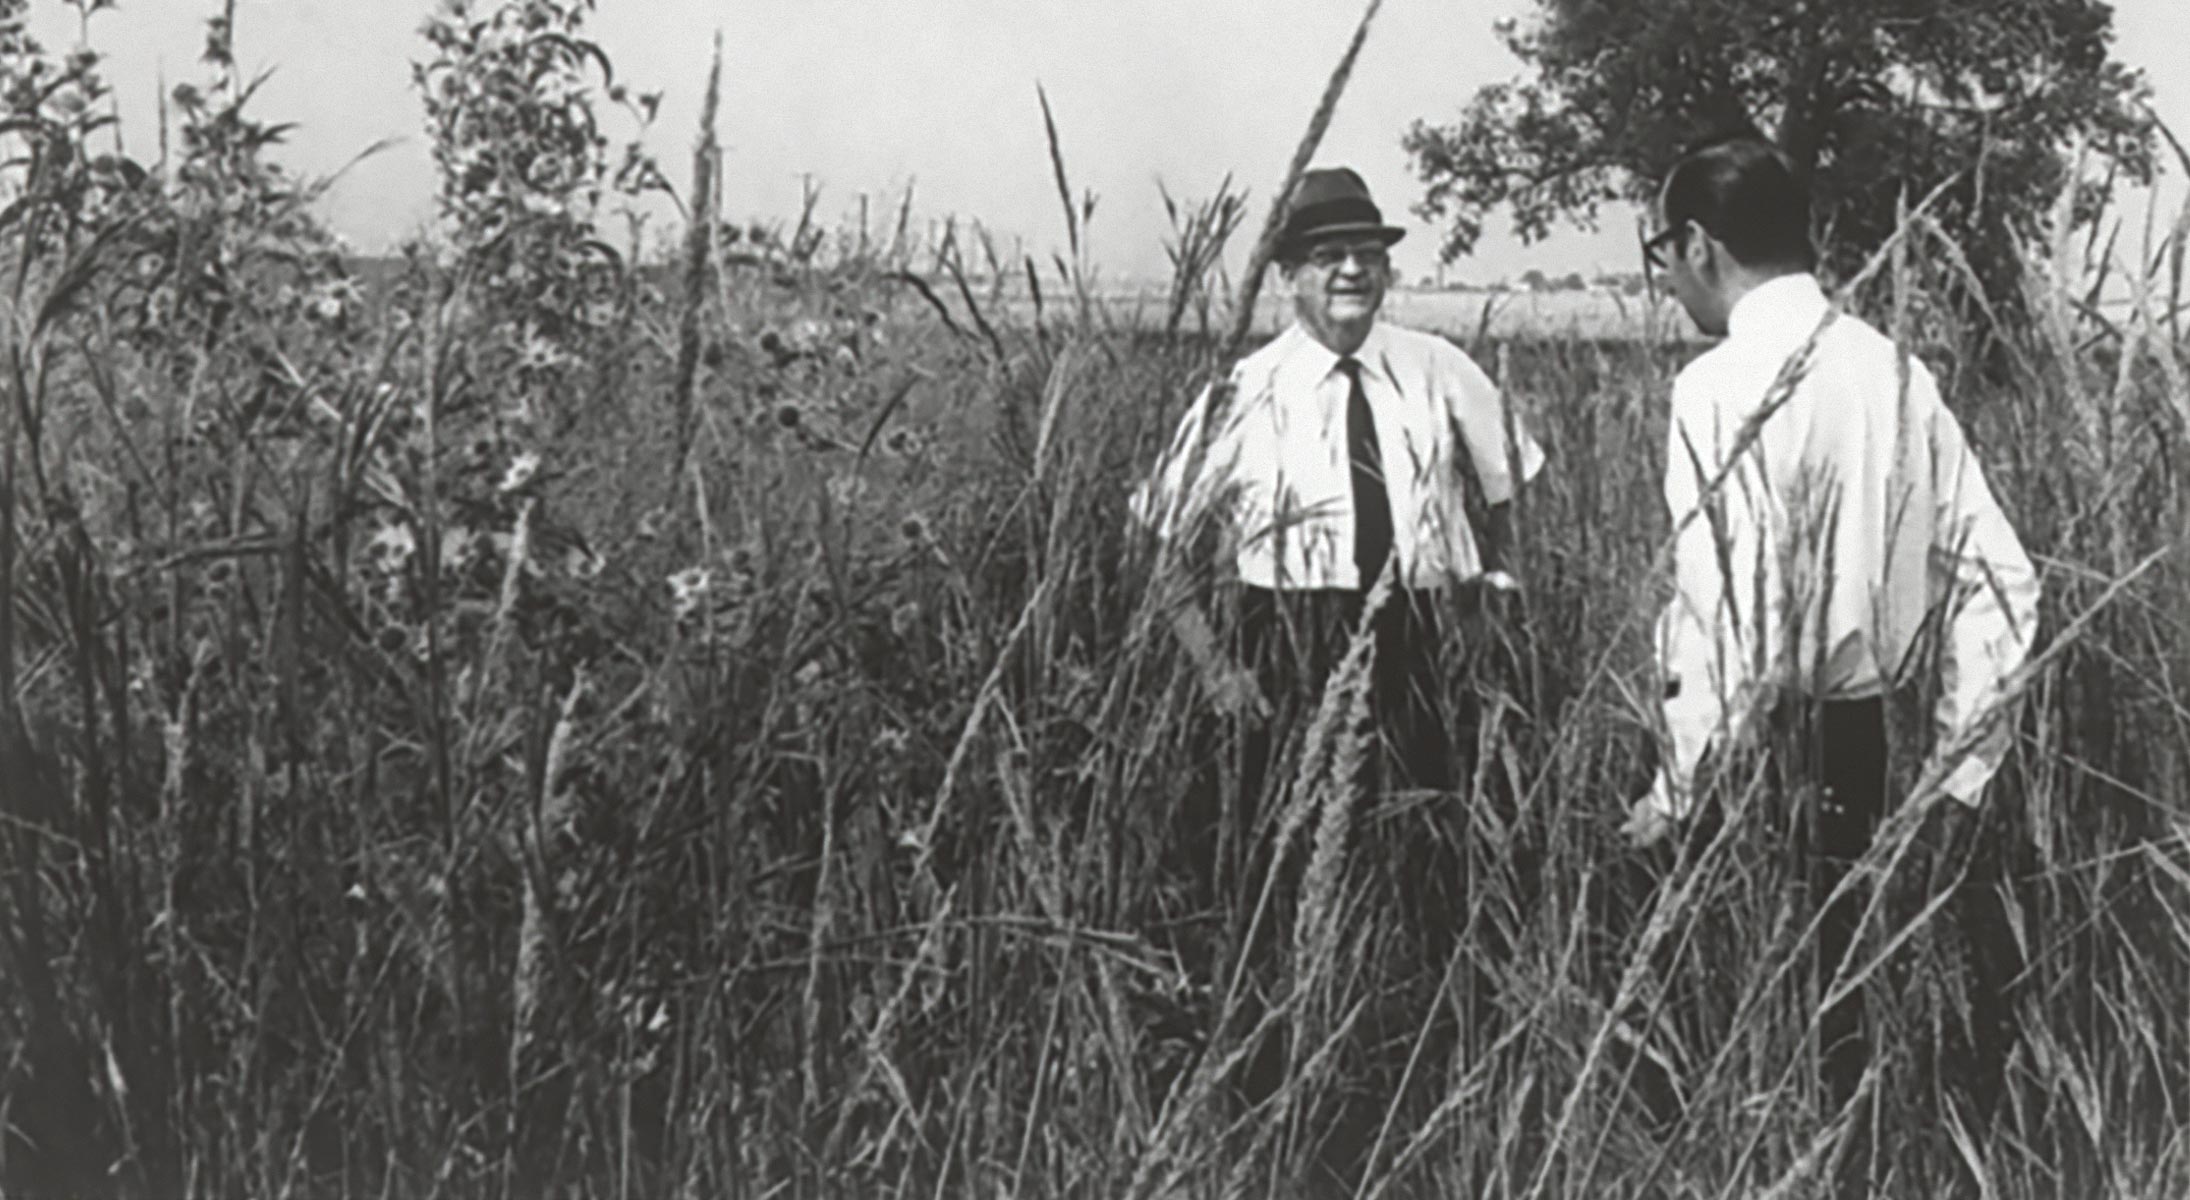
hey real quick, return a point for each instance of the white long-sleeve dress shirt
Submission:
(1274, 463)
(1851, 516)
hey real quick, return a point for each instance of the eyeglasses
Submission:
(1656, 254)
(1654, 248)
(1332, 254)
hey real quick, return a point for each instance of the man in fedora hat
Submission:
(1345, 450)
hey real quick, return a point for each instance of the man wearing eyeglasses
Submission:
(1344, 451)
(1834, 537)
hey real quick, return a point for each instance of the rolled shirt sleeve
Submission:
(1497, 444)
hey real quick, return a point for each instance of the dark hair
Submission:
(1742, 191)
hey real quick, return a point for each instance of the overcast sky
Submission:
(868, 96)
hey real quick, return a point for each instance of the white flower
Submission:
(521, 470)
(457, 543)
(539, 354)
(688, 589)
(905, 443)
(330, 300)
(580, 562)
(391, 546)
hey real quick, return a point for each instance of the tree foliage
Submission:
(1872, 100)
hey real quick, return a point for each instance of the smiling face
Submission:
(1338, 286)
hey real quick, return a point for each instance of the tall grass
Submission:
(382, 819)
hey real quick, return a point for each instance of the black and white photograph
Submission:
(1071, 600)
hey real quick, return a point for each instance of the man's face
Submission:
(1338, 286)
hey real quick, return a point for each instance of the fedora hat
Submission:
(1333, 202)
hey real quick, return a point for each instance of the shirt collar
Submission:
(1787, 303)
(1316, 361)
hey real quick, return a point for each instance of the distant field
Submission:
(1593, 314)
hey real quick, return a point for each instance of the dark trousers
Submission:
(1837, 753)
(1431, 651)
(1841, 747)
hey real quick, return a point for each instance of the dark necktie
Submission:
(1372, 505)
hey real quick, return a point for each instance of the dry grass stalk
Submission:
(704, 220)
(1334, 768)
(1243, 320)
(549, 815)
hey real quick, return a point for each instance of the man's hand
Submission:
(1232, 688)
(1653, 816)
(1646, 824)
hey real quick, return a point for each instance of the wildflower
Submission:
(914, 529)
(892, 741)
(905, 619)
(789, 415)
(457, 544)
(539, 354)
(520, 472)
(391, 546)
(419, 641)
(847, 490)
(808, 675)
(688, 590)
(329, 301)
(904, 443)
(581, 563)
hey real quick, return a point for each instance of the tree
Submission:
(1872, 101)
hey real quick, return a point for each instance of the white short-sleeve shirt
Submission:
(1268, 456)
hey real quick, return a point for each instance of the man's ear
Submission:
(1706, 256)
